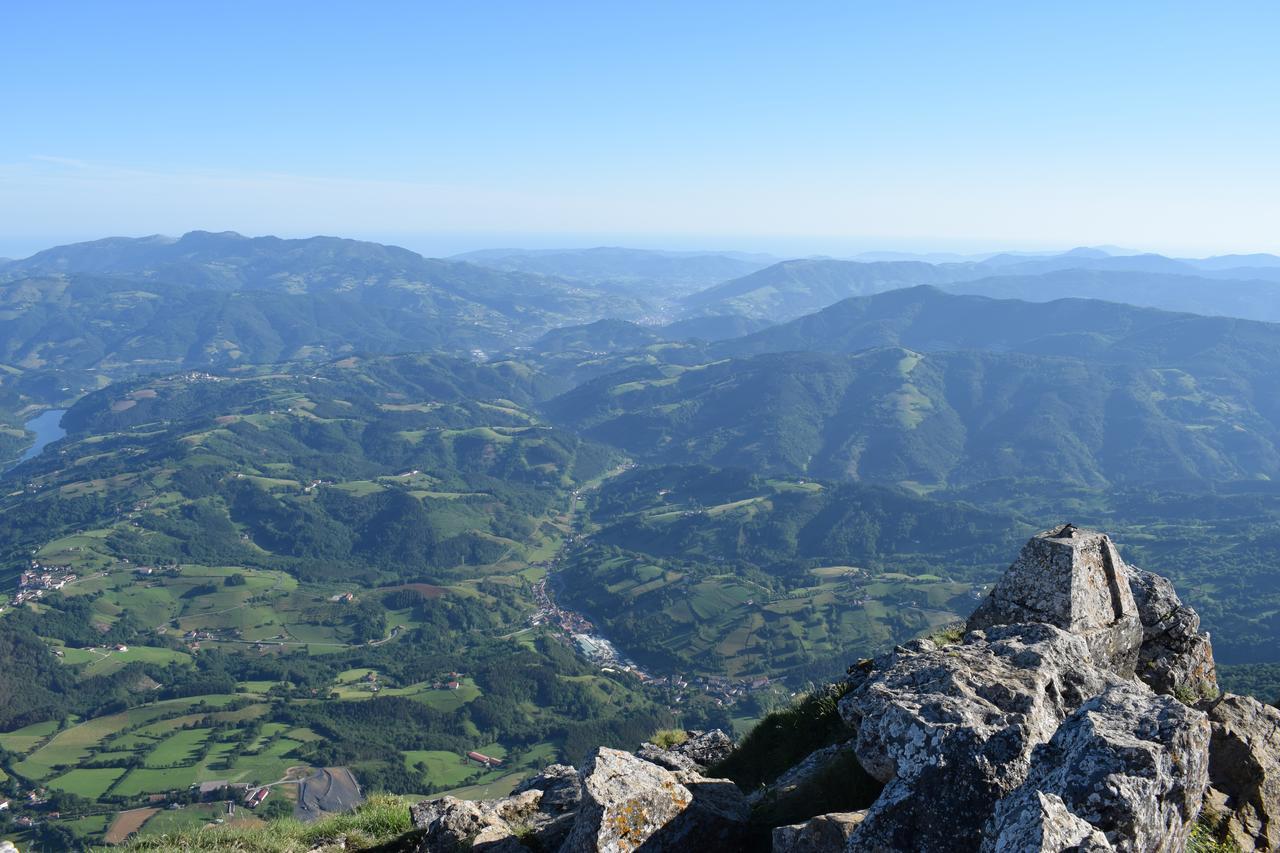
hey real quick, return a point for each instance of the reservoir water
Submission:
(47, 427)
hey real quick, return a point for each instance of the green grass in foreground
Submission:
(380, 820)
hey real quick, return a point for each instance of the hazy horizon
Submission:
(449, 245)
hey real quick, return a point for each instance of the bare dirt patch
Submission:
(126, 824)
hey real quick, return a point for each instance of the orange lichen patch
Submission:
(632, 821)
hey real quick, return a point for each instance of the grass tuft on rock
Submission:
(668, 738)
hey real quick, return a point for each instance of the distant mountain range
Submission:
(638, 272)
(207, 299)
(501, 297)
(793, 288)
(918, 386)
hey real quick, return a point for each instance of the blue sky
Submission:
(798, 127)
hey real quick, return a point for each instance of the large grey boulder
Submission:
(825, 833)
(1244, 771)
(453, 825)
(629, 803)
(560, 786)
(1128, 763)
(1175, 657)
(1073, 579)
(706, 749)
(699, 751)
(540, 812)
(1043, 824)
(951, 730)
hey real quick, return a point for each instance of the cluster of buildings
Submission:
(34, 799)
(452, 681)
(194, 638)
(581, 632)
(550, 613)
(36, 581)
(312, 485)
(200, 376)
(726, 691)
(578, 629)
(596, 649)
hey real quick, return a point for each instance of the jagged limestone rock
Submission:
(540, 811)
(1072, 579)
(1044, 824)
(1244, 771)
(1175, 658)
(628, 803)
(951, 730)
(706, 749)
(699, 751)
(1129, 763)
(668, 758)
(825, 833)
(452, 824)
(560, 786)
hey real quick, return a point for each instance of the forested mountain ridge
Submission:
(306, 469)
(927, 319)
(935, 419)
(424, 303)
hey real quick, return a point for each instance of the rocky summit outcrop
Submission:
(1072, 579)
(1079, 712)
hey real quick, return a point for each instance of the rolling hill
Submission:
(401, 467)
(927, 319)
(724, 572)
(938, 419)
(461, 303)
(793, 288)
